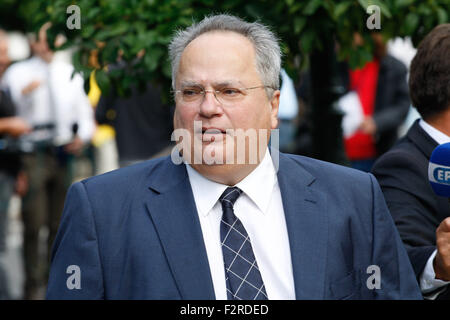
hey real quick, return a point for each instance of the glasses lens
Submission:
(191, 94)
(229, 95)
(225, 96)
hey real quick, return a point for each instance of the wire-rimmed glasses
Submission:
(225, 96)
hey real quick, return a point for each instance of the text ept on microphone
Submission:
(439, 170)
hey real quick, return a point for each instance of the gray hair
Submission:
(267, 49)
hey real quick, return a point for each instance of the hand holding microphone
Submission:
(76, 146)
(439, 177)
(441, 262)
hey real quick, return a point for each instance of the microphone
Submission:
(74, 129)
(439, 170)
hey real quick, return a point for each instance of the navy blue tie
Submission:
(242, 275)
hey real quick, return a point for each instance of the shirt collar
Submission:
(258, 186)
(206, 192)
(434, 133)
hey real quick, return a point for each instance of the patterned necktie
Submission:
(243, 278)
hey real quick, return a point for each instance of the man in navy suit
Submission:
(216, 221)
(422, 217)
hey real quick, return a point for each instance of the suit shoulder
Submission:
(395, 63)
(348, 191)
(329, 171)
(124, 178)
(404, 152)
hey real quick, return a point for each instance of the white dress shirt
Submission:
(260, 210)
(428, 281)
(59, 99)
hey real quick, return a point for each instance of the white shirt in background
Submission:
(71, 104)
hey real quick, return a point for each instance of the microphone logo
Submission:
(438, 173)
(439, 170)
(442, 175)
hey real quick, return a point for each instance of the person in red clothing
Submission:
(361, 145)
(382, 89)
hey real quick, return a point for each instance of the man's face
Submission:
(214, 61)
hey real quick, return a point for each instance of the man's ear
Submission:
(275, 103)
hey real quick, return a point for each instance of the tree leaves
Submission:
(383, 8)
(103, 81)
(442, 15)
(312, 7)
(109, 27)
(411, 22)
(341, 8)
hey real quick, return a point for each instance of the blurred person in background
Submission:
(382, 104)
(4, 56)
(57, 108)
(287, 113)
(10, 126)
(375, 105)
(422, 217)
(142, 122)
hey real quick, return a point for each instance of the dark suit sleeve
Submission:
(388, 252)
(405, 191)
(391, 115)
(76, 245)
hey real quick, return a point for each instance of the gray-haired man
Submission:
(228, 222)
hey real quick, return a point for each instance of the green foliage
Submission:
(15, 14)
(111, 26)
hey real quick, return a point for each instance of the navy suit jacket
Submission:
(134, 233)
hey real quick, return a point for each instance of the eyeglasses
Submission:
(225, 96)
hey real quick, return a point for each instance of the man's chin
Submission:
(213, 153)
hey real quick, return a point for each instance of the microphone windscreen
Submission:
(439, 170)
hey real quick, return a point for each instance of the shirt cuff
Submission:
(428, 281)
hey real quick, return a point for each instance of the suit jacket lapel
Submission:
(172, 209)
(307, 224)
(421, 139)
(171, 206)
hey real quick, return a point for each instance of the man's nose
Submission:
(210, 106)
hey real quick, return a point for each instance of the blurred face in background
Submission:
(380, 47)
(40, 46)
(4, 57)
(219, 60)
(379, 43)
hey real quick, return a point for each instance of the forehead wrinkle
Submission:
(226, 83)
(221, 83)
(189, 83)
(208, 52)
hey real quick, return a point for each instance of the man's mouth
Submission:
(212, 131)
(212, 134)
